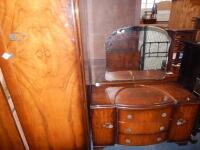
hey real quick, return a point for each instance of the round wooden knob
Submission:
(162, 128)
(188, 99)
(164, 115)
(108, 125)
(128, 130)
(159, 139)
(128, 141)
(129, 117)
(180, 122)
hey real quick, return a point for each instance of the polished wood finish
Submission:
(99, 97)
(136, 97)
(137, 75)
(142, 127)
(9, 136)
(145, 111)
(103, 126)
(138, 140)
(44, 76)
(187, 114)
(188, 9)
(148, 115)
(178, 92)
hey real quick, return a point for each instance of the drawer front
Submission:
(183, 122)
(142, 128)
(139, 140)
(103, 126)
(148, 115)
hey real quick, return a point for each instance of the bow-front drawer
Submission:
(161, 115)
(138, 140)
(142, 127)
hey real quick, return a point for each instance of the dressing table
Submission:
(139, 106)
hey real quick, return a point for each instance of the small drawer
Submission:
(142, 127)
(139, 140)
(147, 115)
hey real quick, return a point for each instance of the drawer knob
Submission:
(188, 99)
(180, 122)
(128, 130)
(129, 117)
(164, 115)
(128, 141)
(108, 125)
(162, 128)
(159, 139)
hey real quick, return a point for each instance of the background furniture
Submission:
(190, 68)
(177, 47)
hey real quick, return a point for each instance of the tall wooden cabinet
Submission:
(42, 65)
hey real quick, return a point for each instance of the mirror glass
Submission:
(132, 52)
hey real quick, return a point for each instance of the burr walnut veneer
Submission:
(142, 114)
(44, 73)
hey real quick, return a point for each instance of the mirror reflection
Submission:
(134, 51)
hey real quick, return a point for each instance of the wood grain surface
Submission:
(99, 118)
(187, 9)
(44, 75)
(182, 13)
(188, 113)
(9, 136)
(139, 140)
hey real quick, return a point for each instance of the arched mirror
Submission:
(134, 51)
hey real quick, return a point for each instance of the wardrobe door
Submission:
(9, 136)
(42, 64)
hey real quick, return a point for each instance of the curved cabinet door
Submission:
(9, 136)
(183, 122)
(44, 72)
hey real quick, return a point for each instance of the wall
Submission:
(100, 18)
(106, 16)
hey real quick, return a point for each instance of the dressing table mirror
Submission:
(137, 53)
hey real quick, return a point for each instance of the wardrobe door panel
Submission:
(44, 73)
(9, 136)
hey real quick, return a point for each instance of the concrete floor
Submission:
(162, 146)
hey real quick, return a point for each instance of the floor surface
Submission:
(162, 146)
